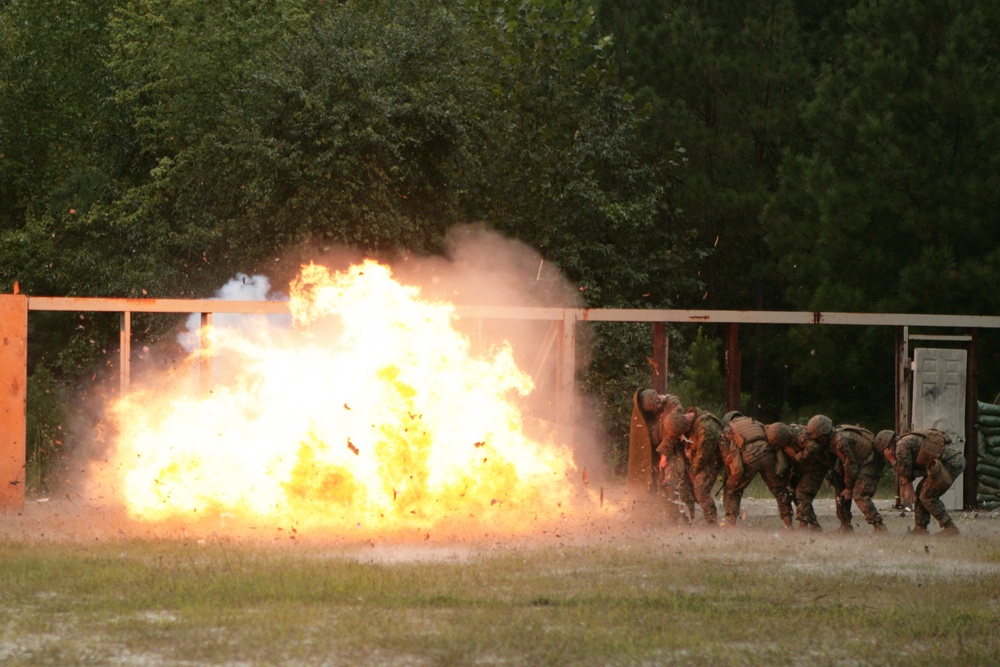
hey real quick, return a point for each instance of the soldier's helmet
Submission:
(672, 404)
(675, 424)
(730, 416)
(649, 400)
(819, 426)
(884, 440)
(778, 434)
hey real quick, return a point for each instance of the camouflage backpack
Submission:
(866, 442)
(933, 446)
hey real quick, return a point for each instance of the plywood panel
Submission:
(13, 399)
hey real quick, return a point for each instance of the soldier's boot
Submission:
(949, 529)
(845, 527)
(917, 530)
(814, 525)
(880, 527)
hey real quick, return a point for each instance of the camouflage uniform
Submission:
(810, 464)
(843, 505)
(674, 483)
(928, 495)
(747, 453)
(860, 470)
(704, 461)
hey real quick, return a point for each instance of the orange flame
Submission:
(370, 414)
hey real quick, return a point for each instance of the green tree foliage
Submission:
(280, 125)
(891, 206)
(566, 174)
(44, 430)
(900, 183)
(724, 81)
(701, 380)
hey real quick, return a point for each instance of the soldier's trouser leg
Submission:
(808, 486)
(778, 485)
(844, 514)
(929, 503)
(842, 505)
(686, 492)
(702, 483)
(864, 489)
(672, 488)
(733, 495)
(921, 513)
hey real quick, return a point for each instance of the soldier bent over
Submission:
(747, 453)
(704, 461)
(862, 464)
(929, 454)
(811, 463)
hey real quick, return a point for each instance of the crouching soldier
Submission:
(929, 454)
(861, 465)
(747, 453)
(704, 461)
(810, 464)
(675, 482)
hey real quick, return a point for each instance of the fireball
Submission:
(369, 414)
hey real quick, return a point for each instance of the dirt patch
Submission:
(760, 532)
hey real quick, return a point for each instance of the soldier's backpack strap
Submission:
(925, 433)
(858, 429)
(705, 414)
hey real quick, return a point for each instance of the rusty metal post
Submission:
(13, 399)
(661, 345)
(902, 379)
(733, 366)
(902, 393)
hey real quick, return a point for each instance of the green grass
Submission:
(750, 597)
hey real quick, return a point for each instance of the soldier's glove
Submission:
(847, 494)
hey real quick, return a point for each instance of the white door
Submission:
(939, 401)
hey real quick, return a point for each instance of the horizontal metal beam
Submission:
(959, 339)
(84, 304)
(116, 305)
(789, 317)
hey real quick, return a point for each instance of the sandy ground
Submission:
(51, 519)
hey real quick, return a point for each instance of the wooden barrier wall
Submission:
(13, 399)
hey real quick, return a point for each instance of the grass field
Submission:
(626, 590)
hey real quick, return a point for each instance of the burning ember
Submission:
(370, 414)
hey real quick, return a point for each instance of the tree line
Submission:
(776, 155)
